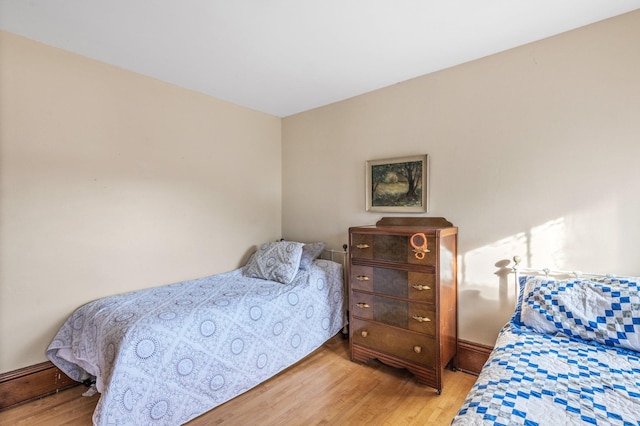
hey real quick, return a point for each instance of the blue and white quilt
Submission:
(165, 355)
(568, 356)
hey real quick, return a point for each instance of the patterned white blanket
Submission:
(165, 355)
(564, 359)
(540, 379)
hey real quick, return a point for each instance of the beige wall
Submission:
(111, 182)
(534, 152)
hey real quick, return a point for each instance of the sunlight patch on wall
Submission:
(547, 245)
(487, 284)
(541, 245)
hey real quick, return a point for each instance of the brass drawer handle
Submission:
(421, 319)
(362, 246)
(421, 250)
(362, 305)
(362, 278)
(421, 287)
(364, 333)
(417, 349)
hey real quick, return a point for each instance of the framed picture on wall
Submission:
(398, 185)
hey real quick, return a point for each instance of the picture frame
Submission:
(398, 185)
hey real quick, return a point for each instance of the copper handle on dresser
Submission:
(364, 333)
(417, 349)
(362, 246)
(421, 319)
(421, 287)
(426, 250)
(362, 278)
(362, 305)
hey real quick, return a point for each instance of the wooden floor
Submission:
(324, 388)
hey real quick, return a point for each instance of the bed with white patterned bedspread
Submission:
(166, 355)
(568, 357)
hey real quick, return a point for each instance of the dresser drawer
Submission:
(418, 286)
(392, 248)
(418, 317)
(413, 347)
(361, 304)
(362, 246)
(422, 287)
(361, 277)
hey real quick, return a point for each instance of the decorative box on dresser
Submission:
(403, 295)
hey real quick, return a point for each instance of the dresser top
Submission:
(428, 222)
(409, 224)
(404, 226)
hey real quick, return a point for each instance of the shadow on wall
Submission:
(247, 254)
(478, 322)
(486, 306)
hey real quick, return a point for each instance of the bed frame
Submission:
(341, 257)
(338, 256)
(517, 270)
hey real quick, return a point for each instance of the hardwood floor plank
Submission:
(325, 388)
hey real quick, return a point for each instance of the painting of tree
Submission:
(397, 184)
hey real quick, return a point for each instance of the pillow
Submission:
(310, 252)
(604, 312)
(277, 261)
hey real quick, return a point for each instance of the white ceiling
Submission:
(287, 56)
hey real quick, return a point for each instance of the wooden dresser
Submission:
(403, 295)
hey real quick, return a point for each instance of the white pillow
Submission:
(310, 251)
(277, 261)
(604, 312)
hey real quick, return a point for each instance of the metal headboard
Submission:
(517, 269)
(338, 256)
(341, 257)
